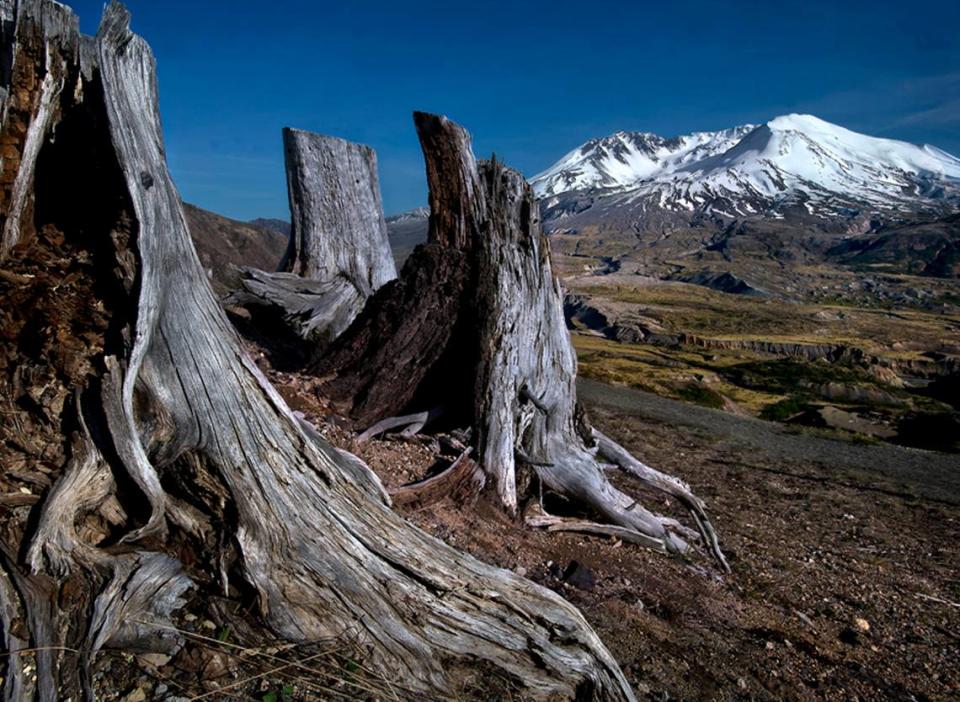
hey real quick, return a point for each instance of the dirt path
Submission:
(911, 472)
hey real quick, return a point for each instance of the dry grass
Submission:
(666, 372)
(704, 312)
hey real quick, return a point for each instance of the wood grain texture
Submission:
(317, 539)
(337, 224)
(338, 244)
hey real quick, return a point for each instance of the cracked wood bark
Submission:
(419, 326)
(175, 399)
(504, 340)
(338, 254)
(337, 225)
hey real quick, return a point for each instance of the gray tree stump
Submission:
(337, 225)
(169, 398)
(496, 353)
(338, 254)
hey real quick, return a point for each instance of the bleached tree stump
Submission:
(339, 253)
(337, 225)
(176, 440)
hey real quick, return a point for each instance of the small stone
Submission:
(861, 625)
(207, 624)
(579, 576)
(521, 571)
(137, 695)
(217, 666)
(157, 660)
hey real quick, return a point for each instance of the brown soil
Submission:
(837, 592)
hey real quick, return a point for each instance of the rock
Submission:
(156, 660)
(861, 625)
(137, 695)
(579, 576)
(834, 418)
(217, 666)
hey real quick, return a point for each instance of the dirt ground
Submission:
(845, 582)
(841, 589)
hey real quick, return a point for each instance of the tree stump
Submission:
(475, 324)
(175, 440)
(338, 254)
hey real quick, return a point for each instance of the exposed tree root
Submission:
(411, 424)
(461, 481)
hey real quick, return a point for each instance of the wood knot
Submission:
(146, 180)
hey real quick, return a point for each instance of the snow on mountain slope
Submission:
(627, 158)
(416, 214)
(791, 161)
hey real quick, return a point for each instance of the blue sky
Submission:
(530, 80)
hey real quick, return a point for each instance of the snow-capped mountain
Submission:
(627, 159)
(789, 163)
(415, 215)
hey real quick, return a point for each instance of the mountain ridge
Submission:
(792, 161)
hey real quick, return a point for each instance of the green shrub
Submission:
(784, 409)
(702, 395)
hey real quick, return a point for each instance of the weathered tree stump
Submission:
(475, 324)
(339, 253)
(337, 225)
(177, 441)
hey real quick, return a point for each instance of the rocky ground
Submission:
(844, 585)
(845, 577)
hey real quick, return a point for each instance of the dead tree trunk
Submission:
(32, 102)
(337, 225)
(174, 423)
(418, 325)
(339, 253)
(498, 340)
